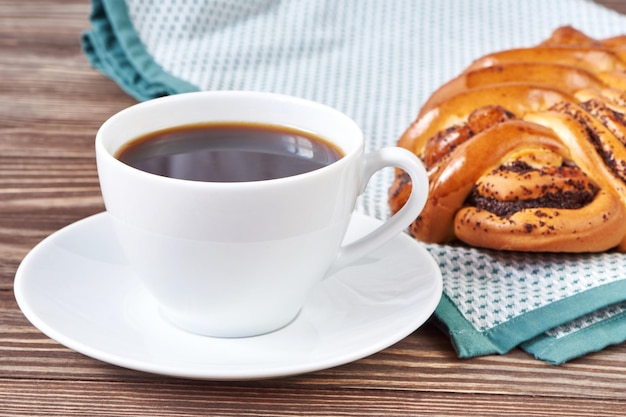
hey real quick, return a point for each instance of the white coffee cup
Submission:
(238, 259)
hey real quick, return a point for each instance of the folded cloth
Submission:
(114, 47)
(378, 61)
(569, 304)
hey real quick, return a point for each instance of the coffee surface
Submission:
(229, 152)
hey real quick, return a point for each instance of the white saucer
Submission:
(75, 286)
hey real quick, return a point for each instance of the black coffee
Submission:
(229, 152)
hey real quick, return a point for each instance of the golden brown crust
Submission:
(451, 183)
(566, 78)
(594, 60)
(518, 98)
(597, 227)
(526, 149)
(568, 35)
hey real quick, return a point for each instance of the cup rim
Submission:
(108, 155)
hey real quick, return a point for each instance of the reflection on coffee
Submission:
(229, 152)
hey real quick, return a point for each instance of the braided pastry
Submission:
(526, 150)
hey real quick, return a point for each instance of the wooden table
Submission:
(51, 103)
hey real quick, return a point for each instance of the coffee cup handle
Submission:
(375, 161)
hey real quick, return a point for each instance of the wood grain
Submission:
(51, 104)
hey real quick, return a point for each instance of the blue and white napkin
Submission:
(378, 61)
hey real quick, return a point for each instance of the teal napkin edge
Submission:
(114, 48)
(594, 338)
(466, 339)
(529, 327)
